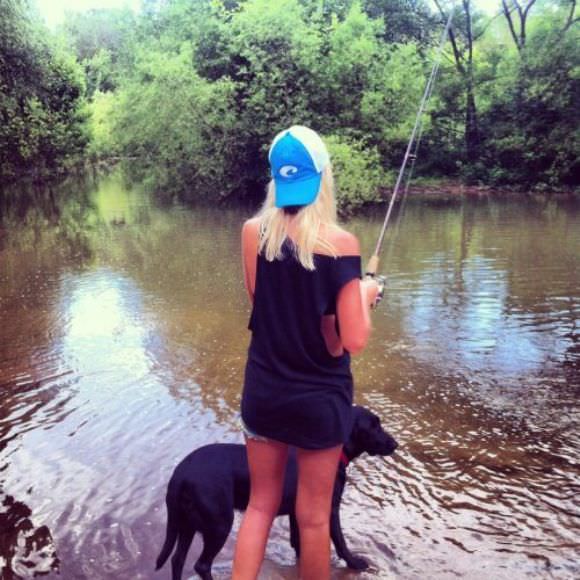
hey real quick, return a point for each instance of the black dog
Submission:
(213, 481)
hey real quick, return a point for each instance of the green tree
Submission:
(533, 123)
(179, 126)
(197, 90)
(103, 42)
(41, 89)
(404, 20)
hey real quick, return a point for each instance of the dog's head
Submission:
(368, 436)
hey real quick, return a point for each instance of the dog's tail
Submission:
(172, 530)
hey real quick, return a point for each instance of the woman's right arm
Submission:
(353, 304)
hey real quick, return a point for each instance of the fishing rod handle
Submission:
(372, 266)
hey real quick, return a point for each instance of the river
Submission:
(122, 346)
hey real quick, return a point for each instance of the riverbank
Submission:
(433, 188)
(455, 187)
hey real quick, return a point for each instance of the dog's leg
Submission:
(178, 558)
(213, 541)
(352, 561)
(294, 534)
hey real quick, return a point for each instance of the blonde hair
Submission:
(274, 222)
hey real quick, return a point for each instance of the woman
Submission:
(310, 310)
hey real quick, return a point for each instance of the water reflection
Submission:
(473, 310)
(122, 347)
(103, 318)
(462, 288)
(26, 550)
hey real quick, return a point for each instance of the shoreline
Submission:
(456, 188)
(431, 187)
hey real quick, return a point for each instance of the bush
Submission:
(42, 128)
(181, 127)
(101, 110)
(357, 171)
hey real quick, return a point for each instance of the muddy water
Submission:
(122, 343)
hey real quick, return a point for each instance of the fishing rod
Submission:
(373, 263)
(409, 178)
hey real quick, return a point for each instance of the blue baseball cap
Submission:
(297, 158)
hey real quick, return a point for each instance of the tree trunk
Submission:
(464, 64)
(472, 136)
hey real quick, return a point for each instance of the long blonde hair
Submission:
(274, 223)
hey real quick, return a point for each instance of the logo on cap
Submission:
(288, 170)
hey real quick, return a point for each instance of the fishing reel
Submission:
(381, 281)
(371, 268)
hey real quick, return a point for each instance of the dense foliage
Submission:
(195, 91)
(42, 123)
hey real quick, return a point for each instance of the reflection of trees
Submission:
(26, 550)
(43, 235)
(187, 263)
(50, 219)
(66, 221)
(465, 427)
(175, 257)
(484, 280)
(542, 269)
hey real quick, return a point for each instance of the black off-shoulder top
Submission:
(295, 391)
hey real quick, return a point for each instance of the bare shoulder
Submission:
(345, 243)
(251, 228)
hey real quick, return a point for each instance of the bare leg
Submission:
(267, 462)
(316, 475)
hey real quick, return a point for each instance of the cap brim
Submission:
(300, 192)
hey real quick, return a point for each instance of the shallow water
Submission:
(122, 345)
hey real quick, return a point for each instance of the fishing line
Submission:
(399, 218)
(413, 145)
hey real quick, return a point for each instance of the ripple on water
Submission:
(116, 365)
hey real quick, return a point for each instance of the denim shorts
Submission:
(250, 434)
